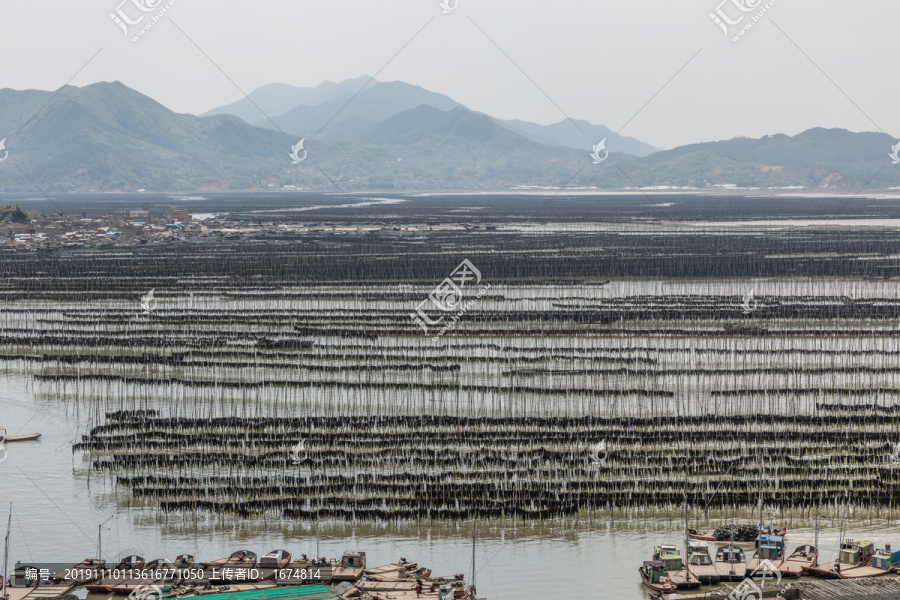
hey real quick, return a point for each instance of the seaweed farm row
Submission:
(646, 367)
(450, 467)
(537, 255)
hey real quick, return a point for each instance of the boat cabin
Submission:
(275, 559)
(353, 560)
(655, 572)
(29, 576)
(698, 553)
(131, 562)
(770, 547)
(886, 557)
(184, 561)
(854, 551)
(731, 554)
(669, 555)
(163, 567)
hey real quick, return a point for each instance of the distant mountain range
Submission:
(326, 112)
(365, 134)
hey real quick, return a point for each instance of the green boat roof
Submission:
(307, 592)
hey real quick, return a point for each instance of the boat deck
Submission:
(867, 571)
(44, 591)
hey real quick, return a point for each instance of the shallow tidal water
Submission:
(57, 511)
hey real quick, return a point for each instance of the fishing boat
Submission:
(27, 576)
(271, 562)
(118, 575)
(655, 577)
(184, 561)
(710, 536)
(854, 553)
(768, 548)
(84, 572)
(881, 563)
(276, 559)
(700, 562)
(731, 563)
(19, 438)
(806, 555)
(241, 558)
(670, 556)
(160, 573)
(352, 566)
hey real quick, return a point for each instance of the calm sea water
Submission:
(57, 511)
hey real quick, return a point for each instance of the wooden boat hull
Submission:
(23, 438)
(84, 569)
(863, 571)
(656, 587)
(707, 536)
(828, 572)
(794, 567)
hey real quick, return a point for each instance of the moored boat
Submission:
(241, 558)
(184, 561)
(710, 536)
(768, 548)
(352, 566)
(700, 562)
(118, 575)
(731, 563)
(22, 438)
(272, 563)
(854, 553)
(670, 556)
(84, 572)
(276, 559)
(806, 555)
(159, 572)
(655, 577)
(881, 563)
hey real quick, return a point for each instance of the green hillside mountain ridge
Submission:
(109, 137)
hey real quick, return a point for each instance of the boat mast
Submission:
(686, 536)
(3, 593)
(473, 554)
(100, 538)
(816, 559)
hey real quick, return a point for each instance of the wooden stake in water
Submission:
(3, 594)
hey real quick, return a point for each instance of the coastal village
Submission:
(136, 227)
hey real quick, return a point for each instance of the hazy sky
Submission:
(601, 61)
